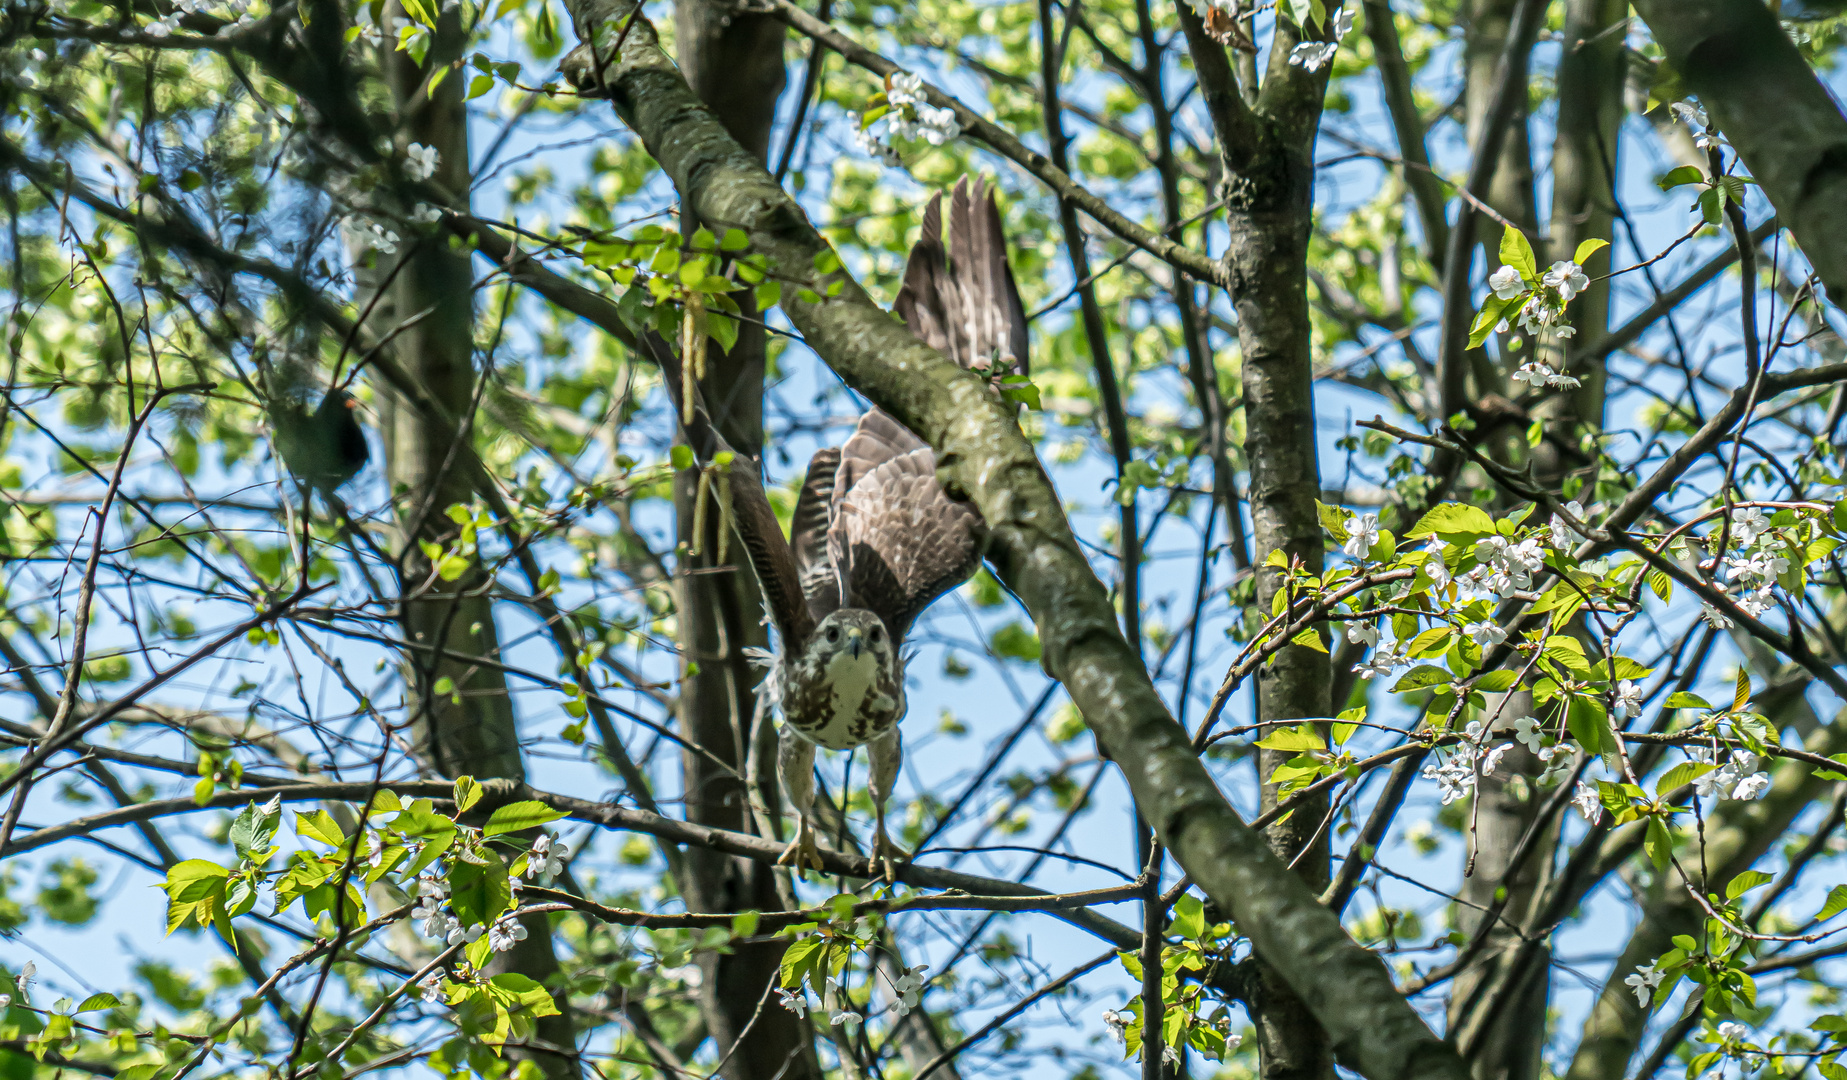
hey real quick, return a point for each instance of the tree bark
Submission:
(1774, 111)
(734, 63)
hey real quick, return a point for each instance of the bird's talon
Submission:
(801, 853)
(887, 857)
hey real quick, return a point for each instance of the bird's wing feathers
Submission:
(969, 309)
(814, 511)
(899, 541)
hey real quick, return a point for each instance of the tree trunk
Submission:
(1583, 162)
(469, 729)
(1269, 218)
(734, 62)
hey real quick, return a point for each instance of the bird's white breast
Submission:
(851, 680)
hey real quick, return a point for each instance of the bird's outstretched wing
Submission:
(962, 301)
(752, 517)
(898, 541)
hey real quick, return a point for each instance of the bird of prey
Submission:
(875, 538)
(325, 448)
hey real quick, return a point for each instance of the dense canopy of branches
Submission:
(1412, 638)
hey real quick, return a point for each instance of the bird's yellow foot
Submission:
(887, 856)
(801, 851)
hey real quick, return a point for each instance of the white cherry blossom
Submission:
(1362, 534)
(1643, 981)
(1586, 800)
(1507, 283)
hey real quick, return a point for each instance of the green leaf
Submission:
(467, 788)
(1745, 882)
(735, 240)
(1659, 843)
(1587, 249)
(681, 456)
(1333, 521)
(1016, 641)
(1432, 642)
(1681, 775)
(1347, 723)
(1189, 917)
(1711, 206)
(799, 959)
(1453, 519)
(1300, 737)
(1680, 699)
(1741, 691)
(321, 826)
(519, 816)
(99, 1001)
(1836, 903)
(1493, 310)
(138, 1072)
(1517, 253)
(1421, 677)
(1495, 682)
(1684, 175)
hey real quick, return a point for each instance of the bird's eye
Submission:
(833, 634)
(877, 635)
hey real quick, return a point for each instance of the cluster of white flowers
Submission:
(1455, 772)
(1558, 759)
(1485, 635)
(1755, 572)
(1564, 537)
(425, 214)
(1434, 565)
(1503, 568)
(909, 987)
(910, 117)
(1644, 981)
(377, 237)
(430, 989)
(1732, 1032)
(546, 859)
(1314, 55)
(1537, 373)
(1384, 661)
(1627, 700)
(1739, 778)
(432, 892)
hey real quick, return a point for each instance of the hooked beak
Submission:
(855, 640)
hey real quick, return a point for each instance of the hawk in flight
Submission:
(875, 538)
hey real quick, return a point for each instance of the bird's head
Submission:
(852, 633)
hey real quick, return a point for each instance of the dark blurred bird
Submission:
(325, 448)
